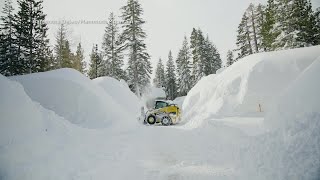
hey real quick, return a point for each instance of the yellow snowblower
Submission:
(163, 112)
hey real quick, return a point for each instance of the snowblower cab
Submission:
(164, 112)
(160, 104)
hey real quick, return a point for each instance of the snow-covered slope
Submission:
(73, 96)
(241, 88)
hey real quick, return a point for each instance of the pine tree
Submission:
(159, 80)
(317, 16)
(250, 31)
(200, 65)
(32, 36)
(194, 44)
(67, 56)
(139, 66)
(208, 59)
(284, 25)
(184, 68)
(112, 48)
(252, 24)
(64, 58)
(296, 24)
(306, 24)
(96, 66)
(61, 38)
(260, 18)
(217, 61)
(198, 47)
(212, 61)
(194, 53)
(44, 54)
(171, 81)
(52, 60)
(20, 26)
(230, 58)
(268, 34)
(79, 63)
(3, 62)
(9, 64)
(244, 38)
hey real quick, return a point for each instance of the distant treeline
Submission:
(24, 44)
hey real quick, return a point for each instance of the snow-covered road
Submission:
(158, 152)
(201, 153)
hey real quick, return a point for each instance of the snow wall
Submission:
(291, 148)
(252, 82)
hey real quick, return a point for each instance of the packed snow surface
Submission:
(62, 125)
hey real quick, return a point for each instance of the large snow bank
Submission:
(27, 133)
(253, 80)
(37, 144)
(73, 96)
(19, 115)
(299, 100)
(292, 148)
(121, 93)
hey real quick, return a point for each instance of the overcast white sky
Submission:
(167, 21)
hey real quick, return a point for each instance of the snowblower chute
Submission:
(163, 112)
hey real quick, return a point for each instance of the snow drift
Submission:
(252, 82)
(73, 96)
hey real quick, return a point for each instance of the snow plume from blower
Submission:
(121, 93)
